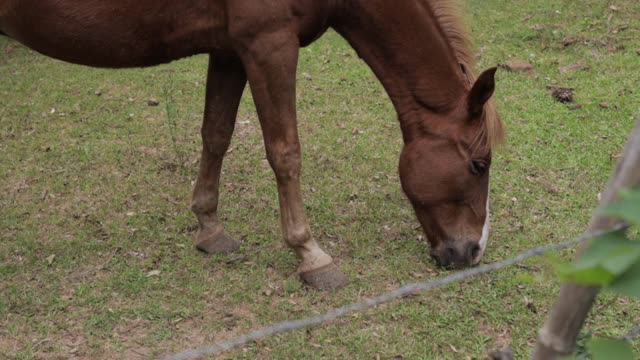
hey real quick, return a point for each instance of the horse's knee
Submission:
(285, 161)
(216, 141)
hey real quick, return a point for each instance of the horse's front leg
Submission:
(225, 83)
(270, 62)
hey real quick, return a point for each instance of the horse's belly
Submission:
(116, 33)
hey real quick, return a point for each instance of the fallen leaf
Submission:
(570, 41)
(614, 48)
(433, 272)
(50, 259)
(562, 94)
(574, 67)
(153, 102)
(153, 273)
(604, 105)
(517, 65)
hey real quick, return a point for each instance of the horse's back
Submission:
(117, 33)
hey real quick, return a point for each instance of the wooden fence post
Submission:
(558, 335)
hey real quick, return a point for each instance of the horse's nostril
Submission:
(450, 252)
(474, 251)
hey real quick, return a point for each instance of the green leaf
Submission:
(622, 258)
(593, 275)
(601, 245)
(610, 349)
(628, 284)
(606, 257)
(627, 207)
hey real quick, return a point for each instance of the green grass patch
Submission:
(103, 182)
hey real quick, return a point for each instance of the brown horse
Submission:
(416, 48)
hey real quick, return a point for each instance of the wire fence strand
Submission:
(287, 326)
(633, 334)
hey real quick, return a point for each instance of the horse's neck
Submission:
(404, 46)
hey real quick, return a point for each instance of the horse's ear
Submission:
(481, 91)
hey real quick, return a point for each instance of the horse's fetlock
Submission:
(298, 237)
(203, 204)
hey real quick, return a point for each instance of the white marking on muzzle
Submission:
(485, 233)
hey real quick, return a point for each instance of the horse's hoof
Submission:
(220, 243)
(328, 277)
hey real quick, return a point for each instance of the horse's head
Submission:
(444, 172)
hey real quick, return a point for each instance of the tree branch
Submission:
(558, 336)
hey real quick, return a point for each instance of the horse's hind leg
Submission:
(225, 83)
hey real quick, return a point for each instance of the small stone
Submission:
(97, 93)
(604, 105)
(153, 102)
(503, 354)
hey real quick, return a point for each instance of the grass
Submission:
(96, 188)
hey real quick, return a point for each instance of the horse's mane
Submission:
(448, 14)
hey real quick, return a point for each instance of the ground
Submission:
(96, 254)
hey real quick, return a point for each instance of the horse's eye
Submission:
(477, 167)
